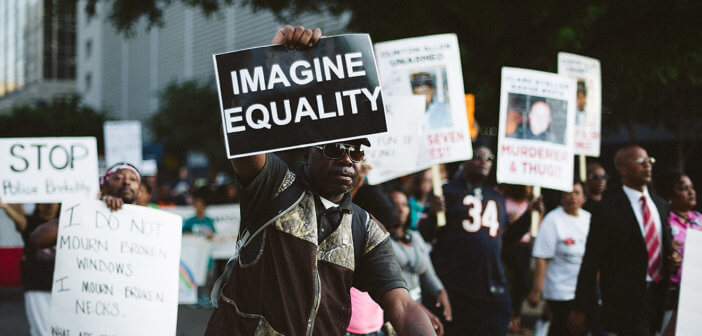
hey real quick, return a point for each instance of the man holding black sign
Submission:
(303, 244)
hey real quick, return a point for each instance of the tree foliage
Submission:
(63, 116)
(125, 13)
(649, 50)
(188, 119)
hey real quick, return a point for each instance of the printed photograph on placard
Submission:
(432, 84)
(536, 118)
(588, 105)
(537, 124)
(583, 115)
(430, 66)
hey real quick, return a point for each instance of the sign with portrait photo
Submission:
(588, 112)
(535, 138)
(430, 66)
(273, 98)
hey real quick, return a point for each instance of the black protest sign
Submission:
(273, 98)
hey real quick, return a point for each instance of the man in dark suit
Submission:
(629, 245)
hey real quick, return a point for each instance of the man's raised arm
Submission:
(293, 38)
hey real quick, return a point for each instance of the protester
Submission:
(595, 185)
(412, 254)
(144, 196)
(180, 190)
(558, 251)
(630, 246)
(36, 266)
(467, 254)
(676, 186)
(420, 190)
(517, 255)
(317, 244)
(119, 186)
(199, 224)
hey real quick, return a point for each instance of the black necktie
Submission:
(330, 221)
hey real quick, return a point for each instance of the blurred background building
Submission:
(122, 75)
(37, 51)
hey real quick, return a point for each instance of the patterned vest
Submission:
(294, 286)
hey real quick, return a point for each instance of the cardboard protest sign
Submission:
(690, 306)
(196, 251)
(117, 272)
(194, 255)
(588, 111)
(430, 66)
(401, 150)
(48, 170)
(535, 140)
(273, 98)
(123, 142)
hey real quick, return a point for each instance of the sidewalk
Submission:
(13, 320)
(191, 321)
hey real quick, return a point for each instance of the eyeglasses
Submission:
(598, 176)
(483, 155)
(642, 160)
(336, 151)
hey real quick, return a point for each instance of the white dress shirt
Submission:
(634, 197)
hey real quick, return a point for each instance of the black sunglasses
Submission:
(483, 155)
(599, 176)
(334, 151)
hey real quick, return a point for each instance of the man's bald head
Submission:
(634, 166)
(625, 154)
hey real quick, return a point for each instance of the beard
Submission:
(127, 195)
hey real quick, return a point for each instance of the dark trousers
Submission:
(560, 311)
(647, 325)
(517, 258)
(475, 317)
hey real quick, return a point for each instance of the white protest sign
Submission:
(401, 150)
(48, 170)
(430, 66)
(149, 168)
(195, 254)
(690, 305)
(535, 140)
(588, 111)
(116, 272)
(123, 142)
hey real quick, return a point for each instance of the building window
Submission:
(88, 81)
(88, 48)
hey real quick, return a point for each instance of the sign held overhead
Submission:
(274, 99)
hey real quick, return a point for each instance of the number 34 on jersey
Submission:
(479, 217)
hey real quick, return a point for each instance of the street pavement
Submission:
(191, 321)
(13, 320)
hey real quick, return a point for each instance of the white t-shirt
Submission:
(561, 239)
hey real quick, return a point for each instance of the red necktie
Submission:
(652, 242)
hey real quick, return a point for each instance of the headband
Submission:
(117, 167)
